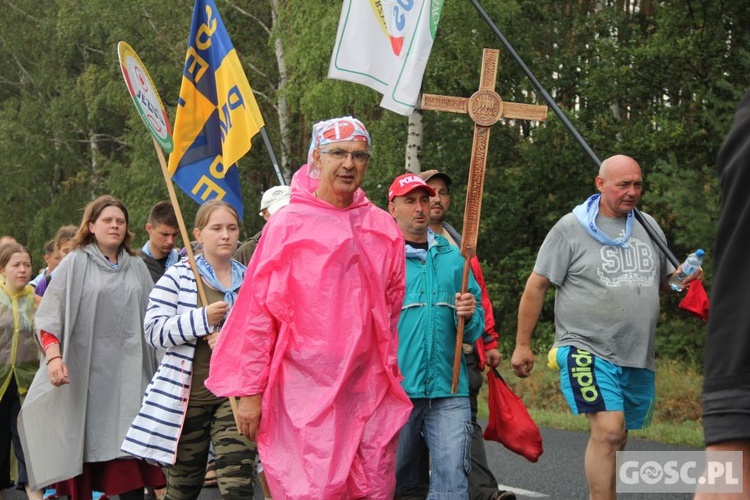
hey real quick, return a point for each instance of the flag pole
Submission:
(188, 246)
(570, 127)
(275, 162)
(180, 222)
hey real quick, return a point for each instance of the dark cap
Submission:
(429, 174)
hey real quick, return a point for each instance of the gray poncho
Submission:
(97, 313)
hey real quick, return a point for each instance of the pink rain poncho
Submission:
(314, 329)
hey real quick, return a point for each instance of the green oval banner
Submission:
(145, 96)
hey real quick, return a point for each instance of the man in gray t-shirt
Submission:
(607, 298)
(607, 273)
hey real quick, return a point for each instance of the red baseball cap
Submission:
(406, 183)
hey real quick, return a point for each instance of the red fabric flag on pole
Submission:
(696, 300)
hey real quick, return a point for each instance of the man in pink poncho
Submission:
(311, 345)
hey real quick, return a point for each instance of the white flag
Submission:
(385, 44)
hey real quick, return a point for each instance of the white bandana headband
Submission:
(345, 128)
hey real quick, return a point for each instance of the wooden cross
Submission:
(485, 108)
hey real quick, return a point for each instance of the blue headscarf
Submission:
(208, 274)
(172, 258)
(586, 214)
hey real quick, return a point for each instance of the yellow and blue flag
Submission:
(217, 115)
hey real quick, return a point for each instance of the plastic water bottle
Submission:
(691, 264)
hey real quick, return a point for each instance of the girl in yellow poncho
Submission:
(19, 354)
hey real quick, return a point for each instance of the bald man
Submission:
(607, 273)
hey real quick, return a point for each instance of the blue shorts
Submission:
(591, 384)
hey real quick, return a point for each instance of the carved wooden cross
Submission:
(485, 108)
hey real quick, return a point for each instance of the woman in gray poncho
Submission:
(96, 367)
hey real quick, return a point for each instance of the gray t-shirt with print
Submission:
(607, 298)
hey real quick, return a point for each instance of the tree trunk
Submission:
(282, 103)
(94, 150)
(414, 139)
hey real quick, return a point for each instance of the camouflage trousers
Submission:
(236, 457)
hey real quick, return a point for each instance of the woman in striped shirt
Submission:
(180, 417)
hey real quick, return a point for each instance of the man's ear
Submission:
(599, 181)
(149, 228)
(392, 209)
(316, 156)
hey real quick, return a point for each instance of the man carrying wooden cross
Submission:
(482, 482)
(427, 332)
(485, 107)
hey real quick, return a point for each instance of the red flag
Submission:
(696, 300)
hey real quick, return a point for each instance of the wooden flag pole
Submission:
(188, 247)
(180, 221)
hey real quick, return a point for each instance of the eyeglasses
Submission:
(342, 154)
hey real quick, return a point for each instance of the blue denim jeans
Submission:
(445, 424)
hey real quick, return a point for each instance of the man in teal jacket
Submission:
(427, 339)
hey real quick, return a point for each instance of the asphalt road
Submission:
(557, 475)
(559, 472)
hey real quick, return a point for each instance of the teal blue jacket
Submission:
(427, 326)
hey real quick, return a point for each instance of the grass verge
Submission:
(677, 413)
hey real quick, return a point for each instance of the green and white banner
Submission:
(385, 45)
